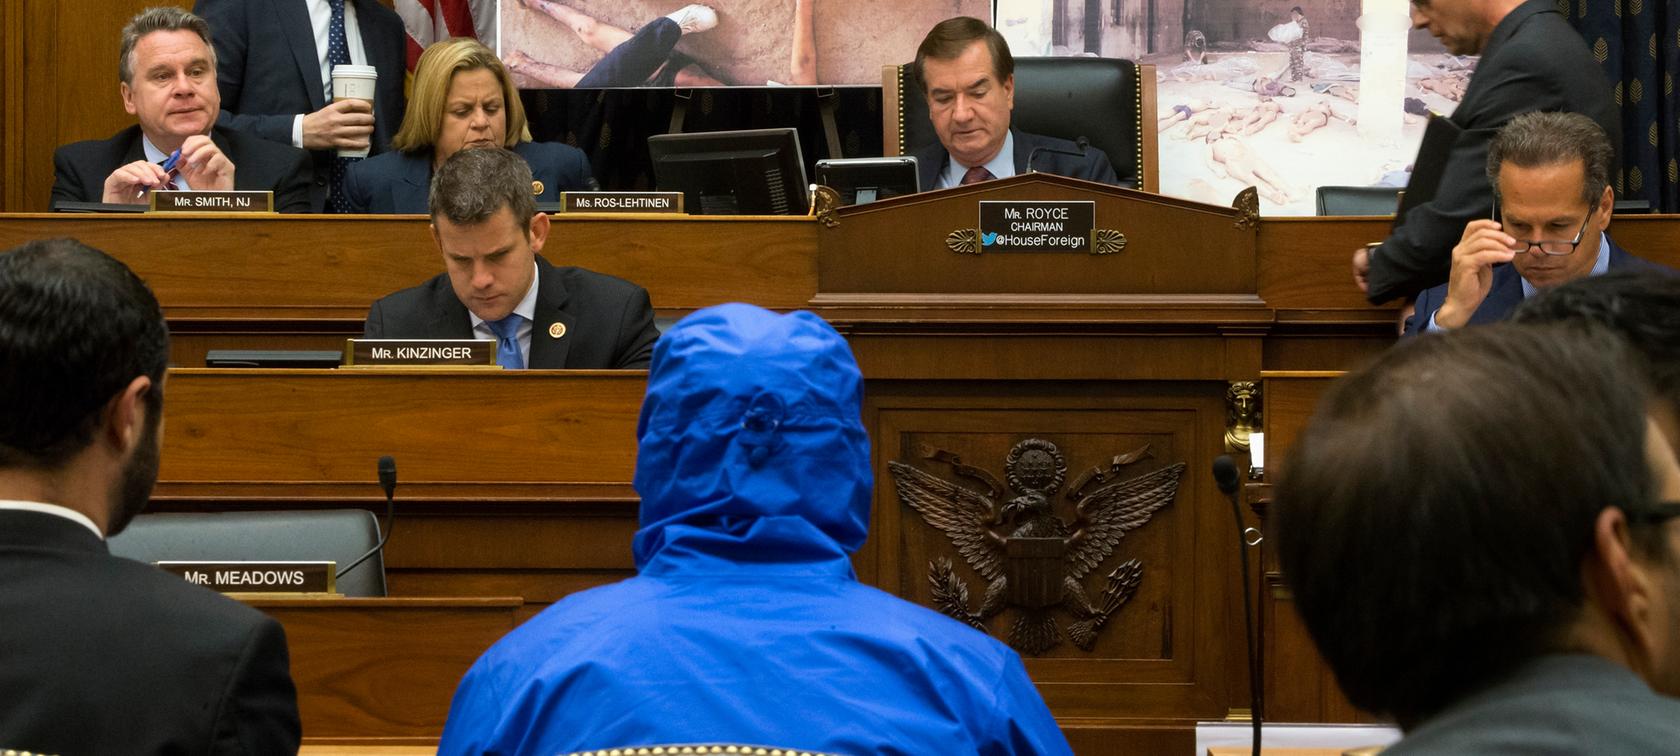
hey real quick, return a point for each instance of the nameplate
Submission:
(1037, 226)
(257, 577)
(419, 353)
(621, 202)
(163, 201)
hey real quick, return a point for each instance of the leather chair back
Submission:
(338, 535)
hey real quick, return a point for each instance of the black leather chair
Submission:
(337, 535)
(1111, 102)
(1358, 200)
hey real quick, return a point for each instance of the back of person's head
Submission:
(1532, 140)
(474, 184)
(164, 18)
(753, 418)
(948, 39)
(76, 327)
(429, 94)
(1643, 308)
(1433, 517)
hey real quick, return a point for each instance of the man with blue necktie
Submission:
(1550, 174)
(274, 64)
(496, 286)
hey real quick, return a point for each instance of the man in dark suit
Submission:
(169, 85)
(1531, 60)
(495, 286)
(1482, 534)
(968, 77)
(1550, 173)
(274, 63)
(100, 654)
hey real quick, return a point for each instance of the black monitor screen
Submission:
(861, 181)
(755, 172)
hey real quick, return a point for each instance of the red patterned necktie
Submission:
(976, 175)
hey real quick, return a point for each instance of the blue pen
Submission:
(168, 165)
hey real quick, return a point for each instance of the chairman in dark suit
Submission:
(169, 84)
(1532, 59)
(100, 654)
(275, 69)
(1551, 175)
(463, 97)
(495, 286)
(968, 77)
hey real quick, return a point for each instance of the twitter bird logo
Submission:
(987, 239)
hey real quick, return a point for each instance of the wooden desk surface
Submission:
(384, 668)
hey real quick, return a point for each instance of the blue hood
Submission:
(752, 447)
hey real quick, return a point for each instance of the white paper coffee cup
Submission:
(354, 83)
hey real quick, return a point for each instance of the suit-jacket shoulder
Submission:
(80, 168)
(428, 311)
(561, 167)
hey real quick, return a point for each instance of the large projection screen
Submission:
(616, 43)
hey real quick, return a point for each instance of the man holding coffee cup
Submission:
(167, 69)
(270, 56)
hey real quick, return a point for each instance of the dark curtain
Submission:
(612, 125)
(1638, 43)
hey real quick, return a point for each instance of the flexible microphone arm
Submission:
(388, 482)
(1226, 477)
(1083, 143)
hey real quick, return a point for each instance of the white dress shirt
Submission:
(320, 17)
(157, 156)
(52, 509)
(527, 308)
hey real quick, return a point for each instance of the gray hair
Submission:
(164, 18)
(1536, 139)
(476, 183)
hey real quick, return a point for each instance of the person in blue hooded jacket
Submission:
(746, 624)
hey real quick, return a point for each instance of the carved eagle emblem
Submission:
(1030, 558)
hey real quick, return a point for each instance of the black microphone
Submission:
(1083, 144)
(1225, 474)
(1226, 478)
(388, 482)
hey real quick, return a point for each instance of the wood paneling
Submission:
(314, 434)
(384, 668)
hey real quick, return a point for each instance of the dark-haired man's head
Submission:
(485, 221)
(1644, 309)
(83, 350)
(1474, 500)
(1550, 174)
(968, 76)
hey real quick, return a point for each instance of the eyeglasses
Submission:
(1549, 247)
(1654, 513)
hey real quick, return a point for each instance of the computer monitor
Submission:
(752, 172)
(861, 181)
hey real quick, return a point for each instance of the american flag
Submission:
(429, 21)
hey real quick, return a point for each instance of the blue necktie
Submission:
(507, 341)
(338, 53)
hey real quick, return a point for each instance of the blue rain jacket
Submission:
(746, 624)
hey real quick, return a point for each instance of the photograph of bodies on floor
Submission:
(1282, 95)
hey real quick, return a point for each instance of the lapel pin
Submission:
(556, 330)
(536, 188)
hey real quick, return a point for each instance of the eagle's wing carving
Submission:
(963, 515)
(1108, 512)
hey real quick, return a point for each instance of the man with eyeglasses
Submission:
(1550, 174)
(1480, 533)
